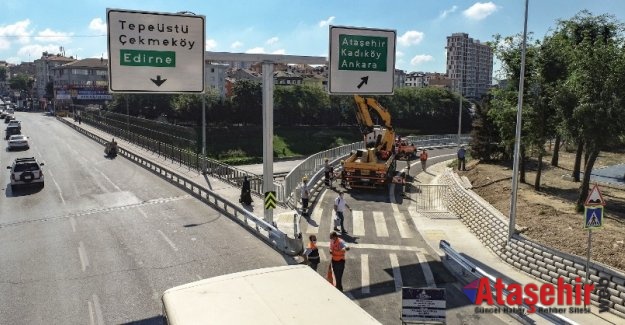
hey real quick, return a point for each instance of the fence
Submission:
(431, 197)
(267, 232)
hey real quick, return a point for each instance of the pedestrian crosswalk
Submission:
(376, 272)
(363, 223)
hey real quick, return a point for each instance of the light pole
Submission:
(459, 108)
(517, 136)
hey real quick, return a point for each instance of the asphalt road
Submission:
(104, 238)
(388, 252)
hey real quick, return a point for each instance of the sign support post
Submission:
(268, 134)
(588, 254)
(593, 219)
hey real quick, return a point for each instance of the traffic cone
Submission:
(330, 275)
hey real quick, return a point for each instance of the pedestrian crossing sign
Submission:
(593, 217)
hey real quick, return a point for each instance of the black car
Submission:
(8, 118)
(11, 130)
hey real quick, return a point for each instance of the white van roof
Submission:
(278, 295)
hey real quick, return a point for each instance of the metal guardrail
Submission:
(196, 161)
(258, 226)
(431, 197)
(315, 163)
(467, 265)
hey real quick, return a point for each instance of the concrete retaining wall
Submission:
(539, 261)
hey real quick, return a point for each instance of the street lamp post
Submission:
(459, 109)
(517, 138)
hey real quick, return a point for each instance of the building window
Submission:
(100, 72)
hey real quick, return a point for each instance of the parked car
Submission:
(18, 141)
(10, 110)
(12, 130)
(8, 118)
(26, 171)
(15, 122)
(3, 114)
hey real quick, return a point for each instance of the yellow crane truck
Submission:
(373, 166)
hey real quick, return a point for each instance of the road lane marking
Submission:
(364, 278)
(402, 224)
(378, 246)
(72, 221)
(380, 224)
(57, 187)
(109, 180)
(358, 223)
(98, 310)
(82, 253)
(168, 241)
(427, 271)
(396, 272)
(316, 218)
(91, 316)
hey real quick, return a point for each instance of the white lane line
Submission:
(396, 272)
(316, 216)
(380, 224)
(427, 271)
(402, 224)
(57, 187)
(168, 241)
(322, 255)
(145, 215)
(109, 180)
(377, 246)
(91, 316)
(316, 219)
(72, 221)
(82, 253)
(358, 223)
(39, 153)
(364, 272)
(98, 310)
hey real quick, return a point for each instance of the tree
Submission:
(247, 102)
(3, 74)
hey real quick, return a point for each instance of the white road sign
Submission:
(155, 52)
(362, 60)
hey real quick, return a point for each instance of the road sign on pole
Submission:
(362, 60)
(155, 52)
(594, 197)
(593, 217)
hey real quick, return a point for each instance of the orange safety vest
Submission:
(335, 249)
(423, 156)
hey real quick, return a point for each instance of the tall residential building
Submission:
(469, 65)
(43, 70)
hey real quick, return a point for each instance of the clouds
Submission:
(411, 37)
(210, 44)
(98, 25)
(446, 12)
(272, 40)
(326, 22)
(48, 35)
(17, 31)
(479, 10)
(236, 45)
(421, 58)
(257, 50)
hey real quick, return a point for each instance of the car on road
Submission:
(12, 130)
(15, 122)
(26, 171)
(10, 110)
(18, 141)
(8, 118)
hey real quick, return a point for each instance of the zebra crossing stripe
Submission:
(402, 224)
(396, 272)
(380, 224)
(316, 219)
(364, 277)
(427, 271)
(377, 246)
(358, 223)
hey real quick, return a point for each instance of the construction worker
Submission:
(343, 174)
(337, 250)
(339, 209)
(305, 195)
(311, 254)
(328, 172)
(424, 158)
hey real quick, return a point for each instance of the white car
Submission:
(18, 141)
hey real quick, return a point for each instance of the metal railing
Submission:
(474, 270)
(264, 230)
(193, 160)
(431, 197)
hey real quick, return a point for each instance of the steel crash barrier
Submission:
(265, 231)
(227, 173)
(469, 268)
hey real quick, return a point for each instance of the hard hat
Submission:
(342, 161)
(305, 178)
(326, 158)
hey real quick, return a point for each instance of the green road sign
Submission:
(147, 58)
(270, 200)
(363, 53)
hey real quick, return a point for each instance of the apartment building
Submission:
(43, 70)
(469, 65)
(81, 82)
(215, 77)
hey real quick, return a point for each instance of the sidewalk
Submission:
(283, 217)
(465, 243)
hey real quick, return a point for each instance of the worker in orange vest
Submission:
(337, 250)
(311, 254)
(424, 158)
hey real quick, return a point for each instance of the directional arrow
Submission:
(158, 81)
(363, 82)
(270, 200)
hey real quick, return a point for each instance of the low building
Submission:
(81, 82)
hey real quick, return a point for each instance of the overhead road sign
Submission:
(362, 60)
(155, 52)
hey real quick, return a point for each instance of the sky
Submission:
(295, 27)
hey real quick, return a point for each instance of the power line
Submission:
(51, 36)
